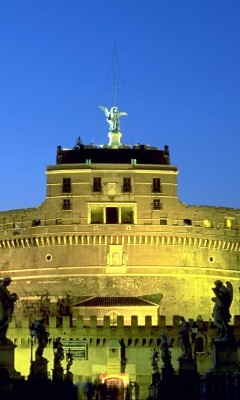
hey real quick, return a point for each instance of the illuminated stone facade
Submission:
(112, 225)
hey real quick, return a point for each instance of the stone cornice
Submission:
(90, 239)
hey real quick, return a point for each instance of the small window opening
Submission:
(127, 185)
(156, 185)
(163, 221)
(66, 204)
(36, 222)
(156, 204)
(97, 185)
(66, 188)
(207, 223)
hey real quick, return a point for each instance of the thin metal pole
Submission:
(115, 77)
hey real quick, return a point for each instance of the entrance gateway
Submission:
(116, 386)
(115, 382)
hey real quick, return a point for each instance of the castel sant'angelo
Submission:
(112, 225)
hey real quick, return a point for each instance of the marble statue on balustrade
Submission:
(58, 352)
(42, 338)
(69, 359)
(221, 310)
(7, 301)
(184, 339)
(165, 345)
(154, 359)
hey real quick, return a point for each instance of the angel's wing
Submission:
(122, 113)
(230, 292)
(105, 110)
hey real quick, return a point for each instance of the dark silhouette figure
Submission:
(89, 390)
(102, 391)
(7, 301)
(184, 341)
(154, 359)
(42, 337)
(58, 352)
(127, 393)
(221, 310)
(69, 357)
(113, 392)
(165, 345)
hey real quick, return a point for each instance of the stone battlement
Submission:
(80, 328)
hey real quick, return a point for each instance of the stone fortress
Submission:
(112, 223)
(112, 226)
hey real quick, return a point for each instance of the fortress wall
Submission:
(139, 341)
(181, 263)
(182, 292)
(19, 330)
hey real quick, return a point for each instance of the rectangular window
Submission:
(36, 222)
(187, 222)
(126, 215)
(66, 187)
(127, 185)
(107, 214)
(96, 215)
(156, 204)
(111, 215)
(163, 221)
(156, 185)
(207, 223)
(228, 223)
(17, 225)
(66, 204)
(97, 185)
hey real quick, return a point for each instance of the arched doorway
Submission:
(115, 388)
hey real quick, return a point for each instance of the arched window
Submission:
(113, 317)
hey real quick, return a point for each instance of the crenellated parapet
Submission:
(90, 329)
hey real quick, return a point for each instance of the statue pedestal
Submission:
(225, 356)
(187, 365)
(68, 377)
(224, 377)
(167, 372)
(153, 388)
(155, 378)
(7, 358)
(188, 378)
(57, 373)
(39, 369)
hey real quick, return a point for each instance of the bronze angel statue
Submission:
(221, 310)
(113, 117)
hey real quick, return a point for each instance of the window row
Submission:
(66, 205)
(112, 215)
(97, 185)
(101, 214)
